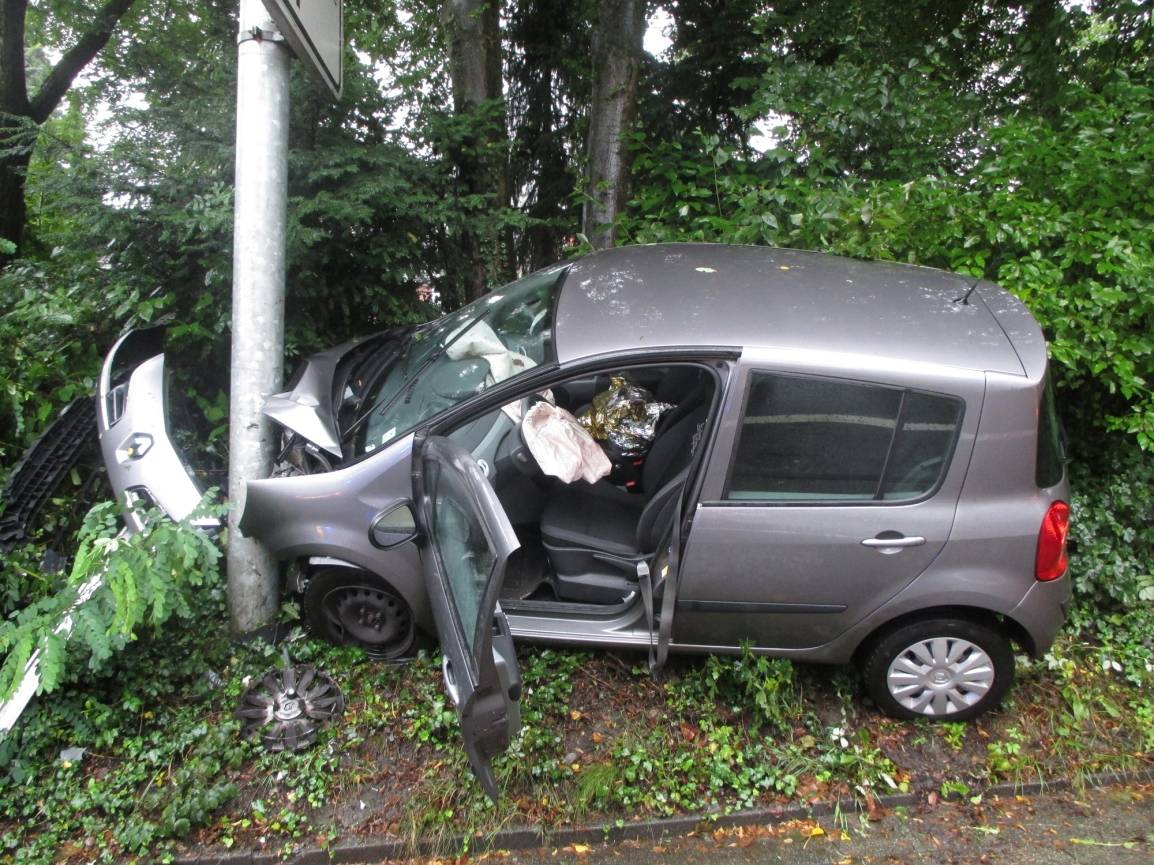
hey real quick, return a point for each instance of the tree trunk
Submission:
(1041, 54)
(474, 32)
(20, 116)
(14, 107)
(544, 90)
(13, 211)
(616, 59)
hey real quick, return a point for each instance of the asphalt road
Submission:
(1111, 826)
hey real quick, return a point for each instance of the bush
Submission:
(119, 585)
(1061, 215)
(1112, 561)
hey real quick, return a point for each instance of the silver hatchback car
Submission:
(847, 462)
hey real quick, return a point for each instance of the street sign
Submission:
(315, 31)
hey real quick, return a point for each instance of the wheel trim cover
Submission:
(940, 676)
(285, 708)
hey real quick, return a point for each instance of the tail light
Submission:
(1052, 560)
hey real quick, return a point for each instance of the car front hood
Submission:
(308, 408)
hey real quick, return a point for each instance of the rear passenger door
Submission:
(826, 496)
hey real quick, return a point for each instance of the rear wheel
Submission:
(939, 669)
(356, 608)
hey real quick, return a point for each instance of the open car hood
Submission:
(326, 382)
(307, 409)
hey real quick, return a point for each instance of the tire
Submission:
(939, 669)
(348, 607)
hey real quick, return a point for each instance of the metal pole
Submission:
(257, 299)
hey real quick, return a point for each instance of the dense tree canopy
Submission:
(1004, 139)
(79, 33)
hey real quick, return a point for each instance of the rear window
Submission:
(1051, 465)
(823, 440)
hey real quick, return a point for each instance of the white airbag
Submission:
(561, 445)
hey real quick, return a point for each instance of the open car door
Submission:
(465, 542)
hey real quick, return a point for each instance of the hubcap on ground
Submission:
(940, 676)
(286, 707)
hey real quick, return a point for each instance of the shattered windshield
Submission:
(496, 337)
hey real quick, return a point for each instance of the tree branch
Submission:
(76, 58)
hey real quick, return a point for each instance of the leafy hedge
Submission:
(1062, 215)
(1112, 561)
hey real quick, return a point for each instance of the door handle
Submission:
(450, 681)
(894, 540)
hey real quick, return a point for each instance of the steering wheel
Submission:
(457, 379)
(538, 321)
(516, 449)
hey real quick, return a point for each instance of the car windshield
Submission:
(496, 337)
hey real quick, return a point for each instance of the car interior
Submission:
(581, 542)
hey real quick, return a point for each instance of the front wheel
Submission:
(350, 607)
(939, 669)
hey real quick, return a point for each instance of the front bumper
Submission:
(131, 416)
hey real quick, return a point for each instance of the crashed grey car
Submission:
(847, 462)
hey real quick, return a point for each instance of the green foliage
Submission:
(953, 734)
(766, 687)
(1112, 557)
(429, 716)
(1075, 243)
(158, 755)
(51, 332)
(537, 754)
(852, 757)
(172, 776)
(118, 586)
(738, 730)
(1004, 758)
(892, 117)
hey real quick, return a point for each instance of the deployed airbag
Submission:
(481, 341)
(561, 446)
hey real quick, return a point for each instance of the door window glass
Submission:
(924, 440)
(467, 558)
(812, 439)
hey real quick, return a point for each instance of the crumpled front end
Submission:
(324, 399)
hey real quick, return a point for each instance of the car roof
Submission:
(699, 294)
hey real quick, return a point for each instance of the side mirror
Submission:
(393, 527)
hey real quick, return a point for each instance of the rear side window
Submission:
(821, 440)
(1051, 463)
(925, 439)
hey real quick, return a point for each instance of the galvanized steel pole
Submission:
(262, 116)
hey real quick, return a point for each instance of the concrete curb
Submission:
(368, 850)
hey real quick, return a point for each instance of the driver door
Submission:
(465, 542)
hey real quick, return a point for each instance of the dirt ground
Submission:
(1110, 826)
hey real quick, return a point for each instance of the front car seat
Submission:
(595, 534)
